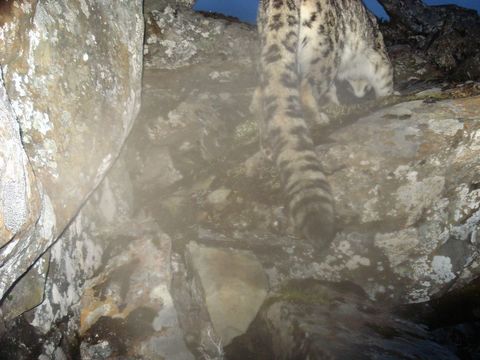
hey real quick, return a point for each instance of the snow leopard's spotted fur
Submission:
(305, 46)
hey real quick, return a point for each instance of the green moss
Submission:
(308, 292)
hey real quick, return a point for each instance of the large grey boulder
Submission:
(71, 75)
(233, 284)
(405, 183)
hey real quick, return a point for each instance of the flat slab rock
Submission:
(234, 286)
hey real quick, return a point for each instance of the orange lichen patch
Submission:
(94, 308)
(470, 106)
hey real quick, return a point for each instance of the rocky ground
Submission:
(193, 254)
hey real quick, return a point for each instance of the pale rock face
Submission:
(71, 75)
(234, 286)
(20, 199)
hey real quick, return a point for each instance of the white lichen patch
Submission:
(222, 76)
(398, 246)
(417, 196)
(91, 253)
(175, 119)
(45, 157)
(91, 40)
(428, 276)
(357, 261)
(41, 122)
(447, 127)
(468, 202)
(343, 259)
(404, 171)
(420, 294)
(85, 9)
(47, 223)
(370, 212)
(34, 37)
(33, 122)
(19, 84)
(475, 141)
(43, 319)
(15, 183)
(442, 269)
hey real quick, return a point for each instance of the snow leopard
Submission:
(305, 46)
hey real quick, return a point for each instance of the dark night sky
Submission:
(247, 9)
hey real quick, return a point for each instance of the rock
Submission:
(98, 351)
(163, 174)
(315, 320)
(150, 5)
(20, 202)
(29, 292)
(54, 56)
(110, 262)
(171, 347)
(19, 199)
(219, 198)
(19, 341)
(133, 282)
(233, 284)
(177, 38)
(85, 246)
(390, 185)
(446, 36)
(404, 183)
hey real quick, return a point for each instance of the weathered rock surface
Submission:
(129, 309)
(109, 282)
(149, 5)
(445, 36)
(71, 72)
(405, 182)
(110, 275)
(314, 320)
(20, 202)
(234, 286)
(175, 39)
